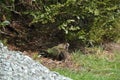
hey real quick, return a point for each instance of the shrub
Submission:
(90, 21)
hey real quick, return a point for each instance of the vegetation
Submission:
(99, 66)
(88, 22)
(41, 24)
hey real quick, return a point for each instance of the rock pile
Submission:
(16, 66)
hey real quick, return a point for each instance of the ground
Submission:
(69, 63)
(51, 64)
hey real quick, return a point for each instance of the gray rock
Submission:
(16, 66)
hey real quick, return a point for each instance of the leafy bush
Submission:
(90, 21)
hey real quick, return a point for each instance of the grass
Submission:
(98, 66)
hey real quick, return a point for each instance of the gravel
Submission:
(16, 66)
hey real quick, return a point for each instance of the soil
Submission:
(52, 64)
(69, 63)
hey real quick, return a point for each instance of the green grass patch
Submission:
(100, 66)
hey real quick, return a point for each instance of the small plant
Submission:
(35, 56)
(100, 65)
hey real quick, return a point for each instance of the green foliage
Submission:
(35, 56)
(53, 51)
(98, 66)
(6, 7)
(112, 32)
(4, 23)
(90, 21)
(4, 41)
